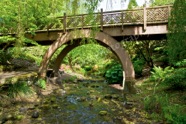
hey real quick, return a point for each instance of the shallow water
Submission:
(86, 103)
(82, 103)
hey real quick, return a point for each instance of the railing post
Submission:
(64, 22)
(47, 30)
(82, 21)
(169, 11)
(144, 18)
(101, 20)
(122, 22)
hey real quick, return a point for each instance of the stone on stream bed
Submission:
(35, 114)
(55, 106)
(45, 106)
(11, 117)
(111, 96)
(18, 117)
(108, 96)
(103, 113)
(60, 92)
(81, 99)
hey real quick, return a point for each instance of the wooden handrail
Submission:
(142, 16)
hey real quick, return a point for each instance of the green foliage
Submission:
(138, 66)
(161, 2)
(181, 63)
(89, 54)
(160, 108)
(91, 58)
(132, 4)
(5, 57)
(19, 88)
(155, 103)
(33, 53)
(87, 68)
(41, 83)
(159, 74)
(6, 39)
(176, 36)
(114, 74)
(177, 80)
(147, 52)
(175, 114)
(19, 17)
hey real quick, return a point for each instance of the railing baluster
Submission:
(122, 21)
(144, 18)
(64, 23)
(101, 19)
(169, 10)
(47, 30)
(82, 21)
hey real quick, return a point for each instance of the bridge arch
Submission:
(102, 38)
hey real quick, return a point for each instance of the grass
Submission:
(19, 89)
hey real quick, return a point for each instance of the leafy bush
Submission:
(114, 74)
(177, 80)
(138, 66)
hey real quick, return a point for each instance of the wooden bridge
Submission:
(128, 25)
(107, 28)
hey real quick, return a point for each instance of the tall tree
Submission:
(177, 32)
(20, 16)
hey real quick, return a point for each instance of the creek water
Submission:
(85, 103)
(82, 102)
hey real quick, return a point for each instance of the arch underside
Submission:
(102, 38)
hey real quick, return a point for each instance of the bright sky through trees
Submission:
(117, 4)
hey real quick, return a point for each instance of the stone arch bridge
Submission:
(108, 28)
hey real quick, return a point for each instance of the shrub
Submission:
(177, 80)
(114, 74)
(138, 67)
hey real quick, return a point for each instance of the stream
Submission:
(82, 102)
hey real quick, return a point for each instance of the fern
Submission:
(159, 74)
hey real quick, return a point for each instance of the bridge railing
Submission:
(158, 14)
(102, 19)
(143, 16)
